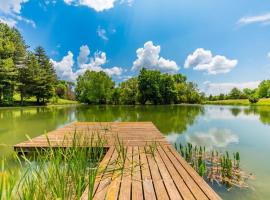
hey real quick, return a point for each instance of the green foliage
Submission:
(264, 89)
(94, 87)
(148, 84)
(12, 52)
(167, 89)
(129, 91)
(253, 99)
(235, 93)
(115, 97)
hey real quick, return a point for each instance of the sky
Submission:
(216, 44)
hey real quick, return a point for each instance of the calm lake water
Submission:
(243, 129)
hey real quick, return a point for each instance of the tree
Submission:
(248, 92)
(46, 78)
(129, 91)
(12, 53)
(264, 89)
(235, 93)
(167, 89)
(115, 97)
(94, 87)
(148, 85)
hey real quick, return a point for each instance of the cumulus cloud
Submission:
(262, 19)
(225, 88)
(213, 138)
(148, 57)
(11, 6)
(102, 33)
(11, 10)
(83, 55)
(97, 5)
(203, 60)
(65, 67)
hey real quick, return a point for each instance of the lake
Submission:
(232, 128)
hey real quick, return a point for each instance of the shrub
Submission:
(253, 99)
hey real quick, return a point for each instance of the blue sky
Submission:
(217, 44)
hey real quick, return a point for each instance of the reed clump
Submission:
(54, 172)
(215, 166)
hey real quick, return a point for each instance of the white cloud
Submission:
(268, 55)
(11, 10)
(203, 60)
(102, 33)
(98, 5)
(11, 6)
(148, 57)
(83, 55)
(64, 68)
(262, 19)
(225, 88)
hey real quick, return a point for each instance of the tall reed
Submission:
(54, 172)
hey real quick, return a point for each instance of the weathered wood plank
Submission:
(148, 187)
(137, 189)
(160, 189)
(125, 190)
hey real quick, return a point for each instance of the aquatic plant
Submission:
(215, 166)
(54, 172)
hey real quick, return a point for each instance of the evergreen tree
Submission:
(12, 53)
(46, 77)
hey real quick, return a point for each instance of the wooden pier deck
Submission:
(152, 168)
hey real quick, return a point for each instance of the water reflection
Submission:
(167, 118)
(213, 138)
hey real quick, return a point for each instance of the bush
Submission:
(253, 99)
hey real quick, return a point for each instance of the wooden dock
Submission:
(153, 169)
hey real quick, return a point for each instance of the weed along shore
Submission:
(117, 160)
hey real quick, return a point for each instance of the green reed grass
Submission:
(54, 172)
(215, 166)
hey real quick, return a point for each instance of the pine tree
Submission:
(46, 77)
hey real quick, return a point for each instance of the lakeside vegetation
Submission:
(27, 76)
(258, 96)
(149, 87)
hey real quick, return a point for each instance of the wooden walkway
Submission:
(150, 169)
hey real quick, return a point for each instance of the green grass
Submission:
(242, 102)
(52, 101)
(53, 173)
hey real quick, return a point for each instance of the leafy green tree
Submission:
(167, 89)
(94, 87)
(235, 93)
(179, 78)
(129, 91)
(249, 92)
(148, 85)
(115, 97)
(61, 89)
(12, 53)
(264, 89)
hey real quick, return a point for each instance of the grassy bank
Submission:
(33, 102)
(241, 102)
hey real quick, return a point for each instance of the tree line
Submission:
(149, 87)
(262, 91)
(27, 73)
